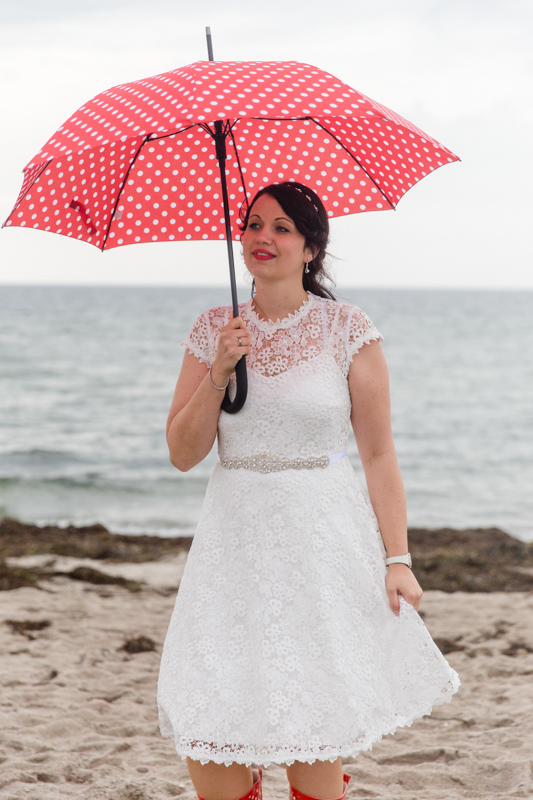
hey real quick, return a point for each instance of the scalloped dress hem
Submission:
(253, 756)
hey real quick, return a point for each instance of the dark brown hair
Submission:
(307, 211)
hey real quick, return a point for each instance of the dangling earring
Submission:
(253, 289)
(306, 270)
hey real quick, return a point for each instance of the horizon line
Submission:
(245, 288)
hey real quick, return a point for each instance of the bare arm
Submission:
(193, 417)
(369, 390)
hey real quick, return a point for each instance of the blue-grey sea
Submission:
(87, 376)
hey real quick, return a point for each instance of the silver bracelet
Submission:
(220, 388)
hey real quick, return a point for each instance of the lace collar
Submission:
(286, 322)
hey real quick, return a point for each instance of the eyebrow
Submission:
(288, 219)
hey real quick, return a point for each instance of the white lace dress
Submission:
(282, 645)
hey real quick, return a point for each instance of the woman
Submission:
(292, 640)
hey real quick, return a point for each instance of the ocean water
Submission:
(87, 376)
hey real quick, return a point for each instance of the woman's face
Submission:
(273, 248)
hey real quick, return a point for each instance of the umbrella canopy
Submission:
(137, 162)
(178, 155)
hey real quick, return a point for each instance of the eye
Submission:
(253, 225)
(282, 229)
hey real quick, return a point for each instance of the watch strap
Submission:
(406, 559)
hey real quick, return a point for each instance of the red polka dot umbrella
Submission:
(140, 161)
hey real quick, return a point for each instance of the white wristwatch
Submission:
(406, 559)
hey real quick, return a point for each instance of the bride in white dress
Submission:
(293, 640)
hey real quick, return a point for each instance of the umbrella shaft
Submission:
(220, 144)
(234, 299)
(230, 406)
(209, 44)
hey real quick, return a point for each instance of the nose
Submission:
(263, 235)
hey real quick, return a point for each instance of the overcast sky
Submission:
(460, 69)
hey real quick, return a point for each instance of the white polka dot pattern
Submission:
(137, 163)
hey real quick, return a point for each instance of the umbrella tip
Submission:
(209, 44)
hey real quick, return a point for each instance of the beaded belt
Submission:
(266, 462)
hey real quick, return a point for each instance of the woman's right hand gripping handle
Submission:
(193, 417)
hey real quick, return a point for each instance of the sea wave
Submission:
(87, 376)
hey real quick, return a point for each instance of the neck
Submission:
(275, 303)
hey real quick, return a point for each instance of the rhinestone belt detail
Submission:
(266, 462)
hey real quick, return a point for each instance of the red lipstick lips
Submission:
(262, 255)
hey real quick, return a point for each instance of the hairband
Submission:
(297, 188)
(304, 194)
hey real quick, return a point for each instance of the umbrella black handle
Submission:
(232, 406)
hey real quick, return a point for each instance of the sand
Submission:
(79, 717)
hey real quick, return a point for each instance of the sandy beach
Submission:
(79, 664)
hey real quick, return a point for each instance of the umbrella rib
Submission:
(370, 178)
(324, 128)
(239, 163)
(132, 162)
(147, 138)
(20, 199)
(154, 138)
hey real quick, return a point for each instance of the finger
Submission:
(234, 336)
(232, 340)
(414, 600)
(236, 322)
(394, 601)
(237, 347)
(233, 328)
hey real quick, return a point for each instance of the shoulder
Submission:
(214, 318)
(347, 329)
(202, 338)
(219, 312)
(344, 314)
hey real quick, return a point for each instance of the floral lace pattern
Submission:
(318, 326)
(282, 645)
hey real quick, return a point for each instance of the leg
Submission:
(218, 782)
(322, 779)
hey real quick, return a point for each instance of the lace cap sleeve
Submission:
(202, 340)
(351, 329)
(360, 331)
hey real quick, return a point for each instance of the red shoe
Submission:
(256, 792)
(296, 795)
